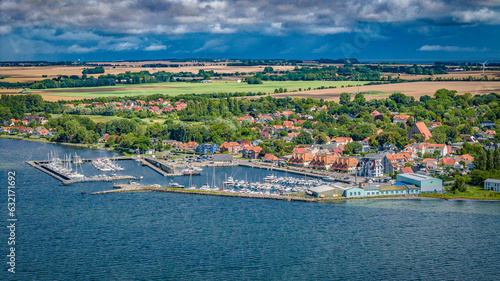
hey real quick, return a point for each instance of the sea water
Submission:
(64, 235)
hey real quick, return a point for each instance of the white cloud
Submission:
(217, 29)
(326, 30)
(484, 15)
(80, 50)
(124, 46)
(274, 29)
(446, 48)
(214, 45)
(5, 30)
(155, 47)
(322, 49)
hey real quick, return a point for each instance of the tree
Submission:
(362, 131)
(111, 141)
(480, 160)
(353, 148)
(322, 138)
(345, 98)
(268, 69)
(303, 138)
(459, 184)
(373, 142)
(283, 133)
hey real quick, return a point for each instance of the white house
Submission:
(492, 184)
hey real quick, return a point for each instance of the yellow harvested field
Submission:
(414, 89)
(30, 74)
(451, 75)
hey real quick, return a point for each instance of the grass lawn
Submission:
(177, 88)
(472, 192)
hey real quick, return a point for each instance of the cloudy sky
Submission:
(414, 30)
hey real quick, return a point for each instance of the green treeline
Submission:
(95, 70)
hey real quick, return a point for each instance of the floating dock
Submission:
(65, 180)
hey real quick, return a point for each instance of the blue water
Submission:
(63, 235)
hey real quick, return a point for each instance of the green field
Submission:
(472, 192)
(178, 88)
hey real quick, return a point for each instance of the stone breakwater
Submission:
(135, 188)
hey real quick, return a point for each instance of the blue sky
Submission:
(394, 30)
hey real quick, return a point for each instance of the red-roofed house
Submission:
(394, 162)
(420, 128)
(467, 157)
(345, 164)
(426, 147)
(248, 117)
(106, 137)
(490, 132)
(300, 158)
(277, 129)
(407, 170)
(230, 147)
(41, 131)
(251, 152)
(375, 113)
(270, 158)
(322, 161)
(450, 162)
(433, 125)
(338, 141)
(265, 135)
(430, 163)
(400, 118)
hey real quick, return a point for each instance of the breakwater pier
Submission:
(44, 166)
(136, 188)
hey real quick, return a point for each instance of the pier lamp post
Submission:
(356, 175)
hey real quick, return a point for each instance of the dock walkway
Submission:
(160, 167)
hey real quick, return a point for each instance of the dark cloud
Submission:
(192, 16)
(96, 26)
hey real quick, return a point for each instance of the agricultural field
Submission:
(451, 75)
(31, 74)
(414, 89)
(177, 88)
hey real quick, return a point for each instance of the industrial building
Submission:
(425, 183)
(324, 191)
(362, 191)
(399, 189)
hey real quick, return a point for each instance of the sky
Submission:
(378, 30)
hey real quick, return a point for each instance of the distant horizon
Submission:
(362, 61)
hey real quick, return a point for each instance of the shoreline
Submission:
(42, 140)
